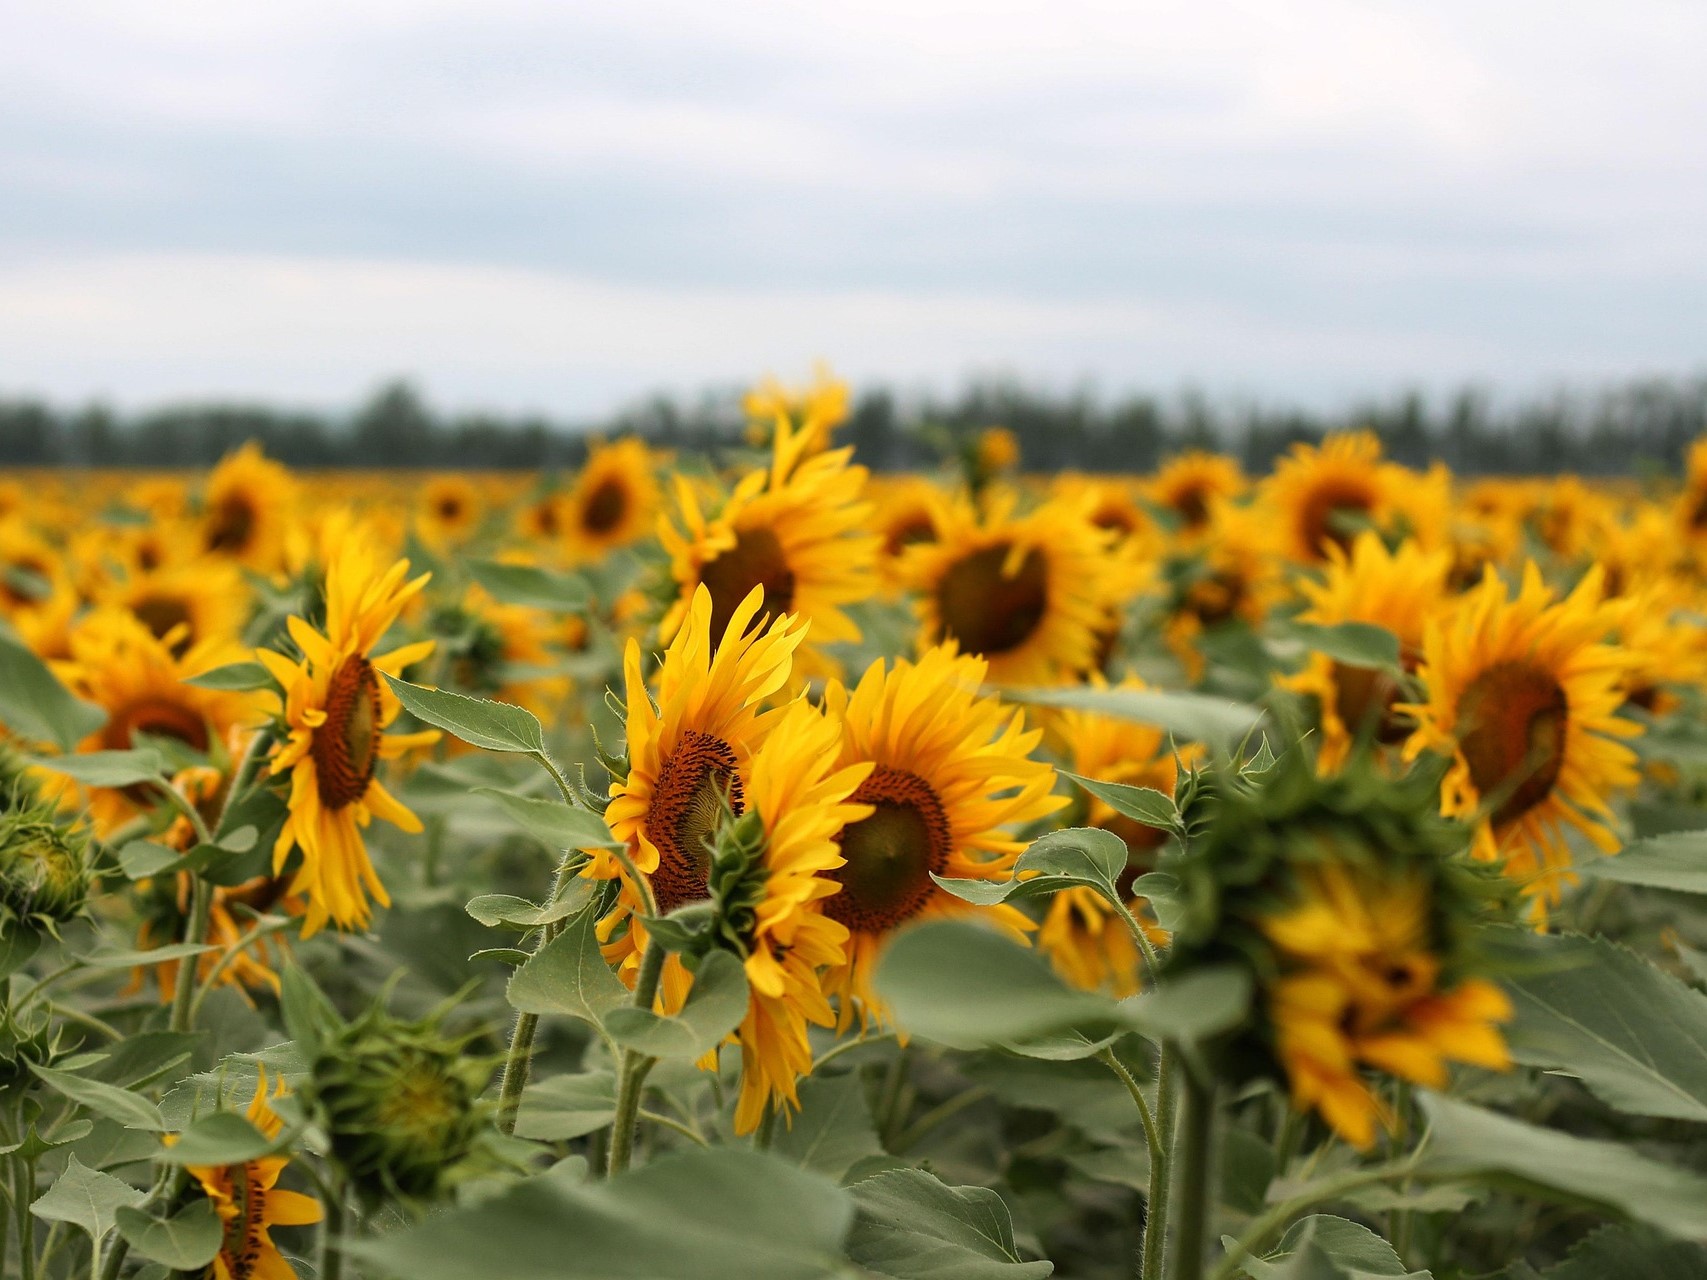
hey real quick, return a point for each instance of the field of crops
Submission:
(751, 867)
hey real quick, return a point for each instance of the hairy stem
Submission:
(1192, 1150)
(631, 1075)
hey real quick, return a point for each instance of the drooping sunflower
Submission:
(335, 710)
(796, 529)
(800, 802)
(448, 512)
(952, 774)
(247, 508)
(1025, 593)
(1318, 495)
(1192, 485)
(1398, 590)
(613, 502)
(250, 1202)
(1522, 696)
(689, 755)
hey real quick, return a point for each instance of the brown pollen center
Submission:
(697, 780)
(346, 746)
(886, 879)
(1511, 729)
(987, 611)
(756, 560)
(605, 506)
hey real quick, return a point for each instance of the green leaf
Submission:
(1323, 1247)
(530, 585)
(1190, 717)
(1142, 804)
(492, 909)
(1353, 644)
(495, 726)
(1625, 1251)
(568, 976)
(18, 946)
(234, 676)
(35, 706)
(225, 1137)
(141, 859)
(967, 987)
(913, 1227)
(1677, 861)
(108, 768)
(565, 1107)
(1468, 1141)
(103, 1099)
(724, 1212)
(131, 959)
(309, 1015)
(86, 1198)
(1194, 1006)
(554, 824)
(1073, 857)
(834, 1130)
(1636, 1037)
(714, 1008)
(187, 1241)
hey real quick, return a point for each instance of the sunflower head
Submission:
(45, 868)
(1321, 495)
(613, 502)
(247, 508)
(449, 511)
(1192, 485)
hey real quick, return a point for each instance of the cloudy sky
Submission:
(560, 206)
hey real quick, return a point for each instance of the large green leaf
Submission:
(914, 1227)
(1073, 857)
(554, 824)
(222, 1138)
(1194, 1006)
(1191, 717)
(967, 987)
(567, 1106)
(530, 585)
(86, 1198)
(1636, 1037)
(187, 1241)
(1676, 861)
(714, 1008)
(833, 1131)
(35, 706)
(496, 726)
(1468, 1141)
(109, 768)
(569, 976)
(1352, 644)
(1628, 1251)
(235, 676)
(130, 1110)
(1142, 804)
(725, 1212)
(1323, 1247)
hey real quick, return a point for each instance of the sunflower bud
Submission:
(399, 1101)
(44, 867)
(18, 789)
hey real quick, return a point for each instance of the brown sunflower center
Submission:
(160, 614)
(450, 508)
(346, 746)
(886, 879)
(158, 718)
(1363, 700)
(231, 525)
(756, 560)
(1116, 517)
(988, 611)
(907, 532)
(1698, 512)
(1192, 504)
(22, 580)
(1511, 729)
(1331, 505)
(1217, 597)
(605, 506)
(697, 780)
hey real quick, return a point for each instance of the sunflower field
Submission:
(752, 867)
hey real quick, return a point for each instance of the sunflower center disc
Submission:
(346, 747)
(756, 560)
(1512, 720)
(160, 614)
(232, 526)
(1193, 507)
(695, 783)
(890, 855)
(1343, 498)
(605, 507)
(987, 611)
(1363, 700)
(908, 532)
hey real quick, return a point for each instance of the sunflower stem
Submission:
(332, 1233)
(526, 1025)
(631, 1075)
(1161, 1171)
(195, 931)
(1193, 1139)
(1135, 927)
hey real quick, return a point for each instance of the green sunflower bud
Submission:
(18, 789)
(399, 1100)
(44, 867)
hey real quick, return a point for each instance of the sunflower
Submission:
(1666, 644)
(335, 709)
(801, 806)
(1568, 518)
(503, 651)
(797, 530)
(1025, 593)
(1690, 508)
(1226, 577)
(205, 599)
(1361, 987)
(1080, 933)
(1191, 485)
(689, 754)
(815, 410)
(951, 770)
(247, 509)
(448, 512)
(613, 502)
(249, 1201)
(118, 664)
(906, 515)
(1398, 590)
(1322, 495)
(31, 569)
(1522, 696)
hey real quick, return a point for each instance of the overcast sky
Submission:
(560, 206)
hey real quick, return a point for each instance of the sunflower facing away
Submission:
(1325, 495)
(688, 756)
(613, 502)
(951, 773)
(250, 1202)
(1022, 592)
(1522, 695)
(335, 710)
(797, 530)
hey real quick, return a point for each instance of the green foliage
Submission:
(495, 726)
(36, 706)
(912, 1227)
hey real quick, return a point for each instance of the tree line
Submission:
(1636, 428)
